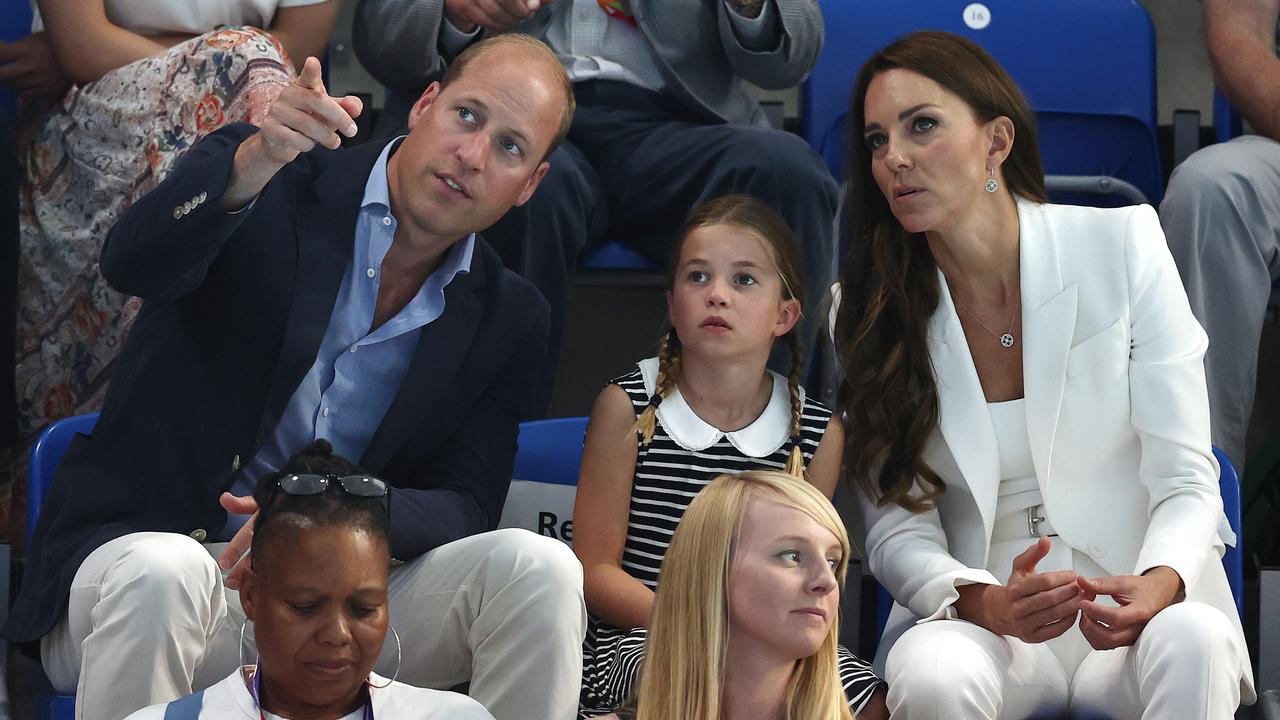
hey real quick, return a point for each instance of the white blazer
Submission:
(1117, 414)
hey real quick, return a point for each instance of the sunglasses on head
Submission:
(364, 486)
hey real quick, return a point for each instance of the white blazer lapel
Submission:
(963, 418)
(1048, 324)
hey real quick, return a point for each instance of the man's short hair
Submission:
(539, 52)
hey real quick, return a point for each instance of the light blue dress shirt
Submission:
(357, 373)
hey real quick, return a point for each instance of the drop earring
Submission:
(991, 185)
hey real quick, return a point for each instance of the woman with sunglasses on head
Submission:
(316, 593)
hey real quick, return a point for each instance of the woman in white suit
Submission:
(1026, 417)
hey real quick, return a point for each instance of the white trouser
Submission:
(1185, 665)
(149, 620)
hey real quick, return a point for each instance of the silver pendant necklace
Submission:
(1006, 338)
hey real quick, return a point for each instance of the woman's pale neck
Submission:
(979, 254)
(755, 685)
(727, 394)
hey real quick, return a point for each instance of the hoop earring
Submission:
(395, 674)
(241, 646)
(991, 185)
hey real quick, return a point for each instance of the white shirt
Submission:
(230, 699)
(196, 17)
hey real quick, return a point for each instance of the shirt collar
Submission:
(377, 196)
(376, 191)
(763, 437)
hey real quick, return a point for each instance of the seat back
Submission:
(1086, 66)
(1233, 559)
(1227, 123)
(46, 453)
(15, 24)
(545, 478)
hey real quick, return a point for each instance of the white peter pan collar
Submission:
(763, 437)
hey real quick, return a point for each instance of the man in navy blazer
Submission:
(292, 294)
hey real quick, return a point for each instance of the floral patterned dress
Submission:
(87, 158)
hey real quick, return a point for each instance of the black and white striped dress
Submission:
(685, 455)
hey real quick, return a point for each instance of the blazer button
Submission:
(177, 213)
(1097, 551)
(199, 535)
(203, 196)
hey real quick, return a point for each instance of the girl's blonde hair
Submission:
(755, 218)
(683, 674)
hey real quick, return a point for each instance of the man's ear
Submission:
(788, 316)
(424, 101)
(532, 184)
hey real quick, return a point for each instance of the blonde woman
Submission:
(744, 624)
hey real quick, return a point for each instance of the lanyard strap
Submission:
(613, 8)
(255, 689)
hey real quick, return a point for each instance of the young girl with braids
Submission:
(704, 407)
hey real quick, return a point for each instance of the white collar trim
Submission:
(763, 437)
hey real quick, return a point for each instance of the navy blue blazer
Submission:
(235, 307)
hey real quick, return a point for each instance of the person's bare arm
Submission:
(1241, 37)
(600, 513)
(824, 469)
(87, 44)
(304, 30)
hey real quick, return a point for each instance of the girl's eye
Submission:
(790, 555)
(745, 279)
(466, 115)
(875, 140)
(923, 124)
(697, 276)
(833, 562)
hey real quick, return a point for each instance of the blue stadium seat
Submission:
(1087, 67)
(1233, 559)
(614, 255)
(46, 453)
(15, 24)
(1227, 123)
(544, 482)
(551, 450)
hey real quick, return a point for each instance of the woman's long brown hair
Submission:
(889, 284)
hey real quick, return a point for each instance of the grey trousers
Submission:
(1221, 216)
